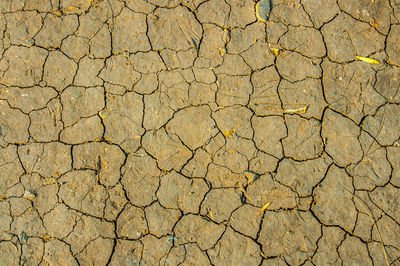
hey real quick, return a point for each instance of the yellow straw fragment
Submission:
(14, 245)
(102, 116)
(229, 133)
(249, 177)
(368, 60)
(209, 214)
(222, 51)
(72, 8)
(69, 9)
(292, 111)
(47, 238)
(264, 208)
(274, 51)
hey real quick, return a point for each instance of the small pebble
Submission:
(263, 9)
(30, 195)
(29, 42)
(23, 238)
(43, 83)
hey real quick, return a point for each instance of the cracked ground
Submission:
(147, 132)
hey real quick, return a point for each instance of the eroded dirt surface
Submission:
(171, 132)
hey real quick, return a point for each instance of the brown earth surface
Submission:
(190, 132)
